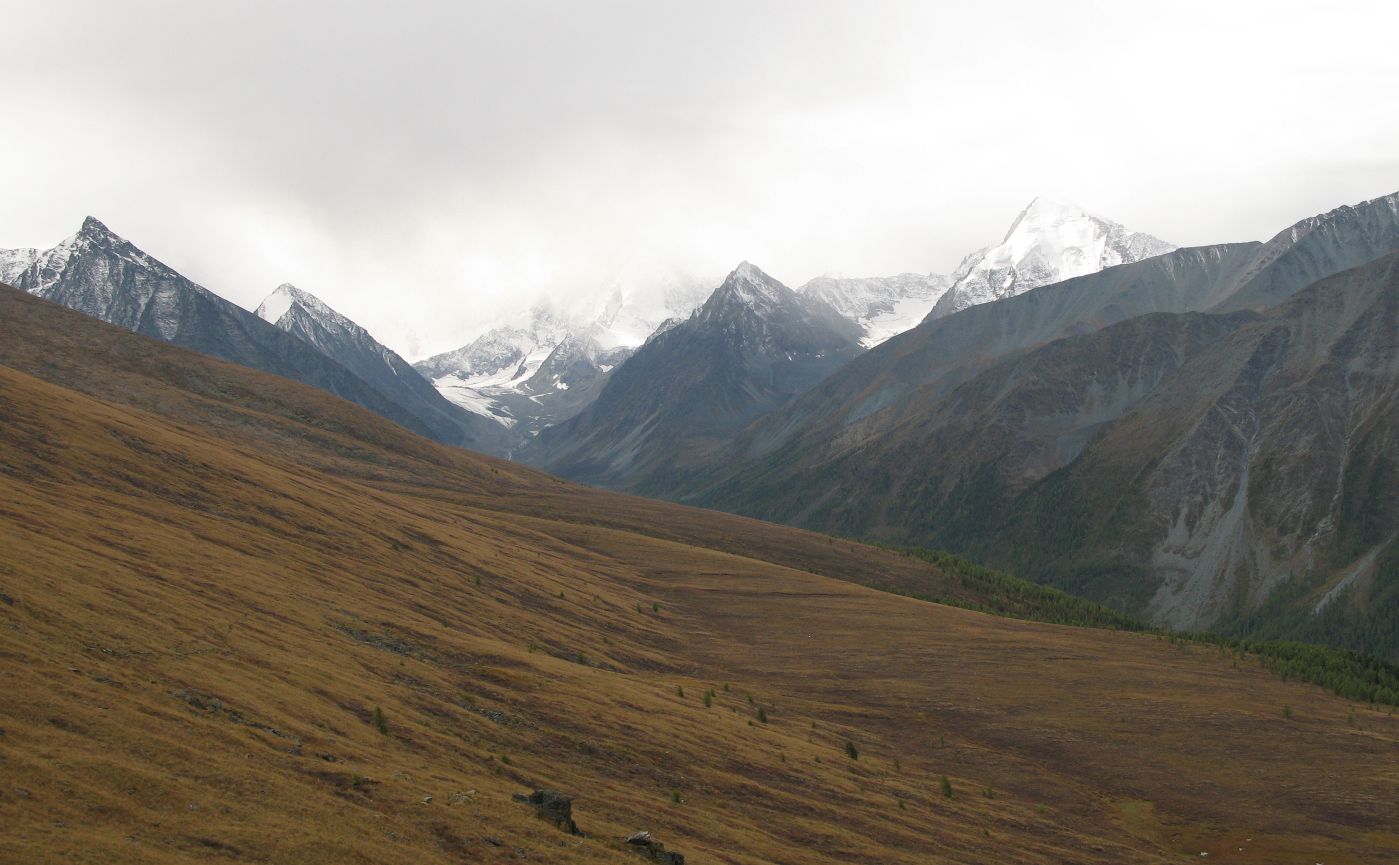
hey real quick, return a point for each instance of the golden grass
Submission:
(215, 576)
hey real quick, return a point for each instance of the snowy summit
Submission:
(1049, 241)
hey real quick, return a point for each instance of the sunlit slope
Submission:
(211, 578)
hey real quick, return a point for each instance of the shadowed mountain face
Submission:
(249, 621)
(1313, 249)
(753, 346)
(932, 437)
(306, 317)
(103, 275)
(1010, 425)
(1270, 460)
(894, 380)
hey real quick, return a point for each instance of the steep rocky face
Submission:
(105, 276)
(753, 345)
(972, 433)
(1313, 249)
(875, 393)
(907, 477)
(1270, 458)
(1049, 242)
(305, 316)
(883, 306)
(926, 362)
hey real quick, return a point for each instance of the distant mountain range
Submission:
(495, 374)
(753, 346)
(1204, 436)
(1050, 241)
(1081, 434)
(103, 275)
(547, 365)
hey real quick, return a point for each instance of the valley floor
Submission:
(213, 578)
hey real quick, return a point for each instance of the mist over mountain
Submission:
(727, 434)
(945, 435)
(546, 365)
(882, 306)
(1050, 241)
(751, 347)
(954, 433)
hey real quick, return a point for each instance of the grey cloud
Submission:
(421, 164)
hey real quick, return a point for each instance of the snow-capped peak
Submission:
(884, 306)
(278, 303)
(1043, 214)
(1048, 242)
(288, 297)
(39, 269)
(748, 286)
(94, 227)
(14, 262)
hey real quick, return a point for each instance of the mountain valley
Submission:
(315, 636)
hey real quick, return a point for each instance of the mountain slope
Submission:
(1269, 456)
(908, 481)
(226, 573)
(928, 361)
(882, 306)
(878, 391)
(500, 375)
(306, 317)
(1049, 242)
(753, 346)
(103, 275)
(1313, 249)
(934, 437)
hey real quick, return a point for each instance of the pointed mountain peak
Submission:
(95, 234)
(278, 303)
(747, 285)
(748, 270)
(93, 227)
(1050, 241)
(287, 296)
(1043, 214)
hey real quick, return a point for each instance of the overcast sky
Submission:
(425, 167)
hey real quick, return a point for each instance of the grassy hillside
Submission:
(241, 620)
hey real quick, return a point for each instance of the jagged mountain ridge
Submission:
(308, 318)
(1017, 421)
(943, 352)
(487, 375)
(933, 465)
(319, 564)
(1050, 241)
(498, 375)
(883, 306)
(103, 275)
(751, 347)
(1272, 456)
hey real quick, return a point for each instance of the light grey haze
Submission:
(425, 167)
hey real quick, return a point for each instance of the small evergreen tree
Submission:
(380, 722)
(851, 752)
